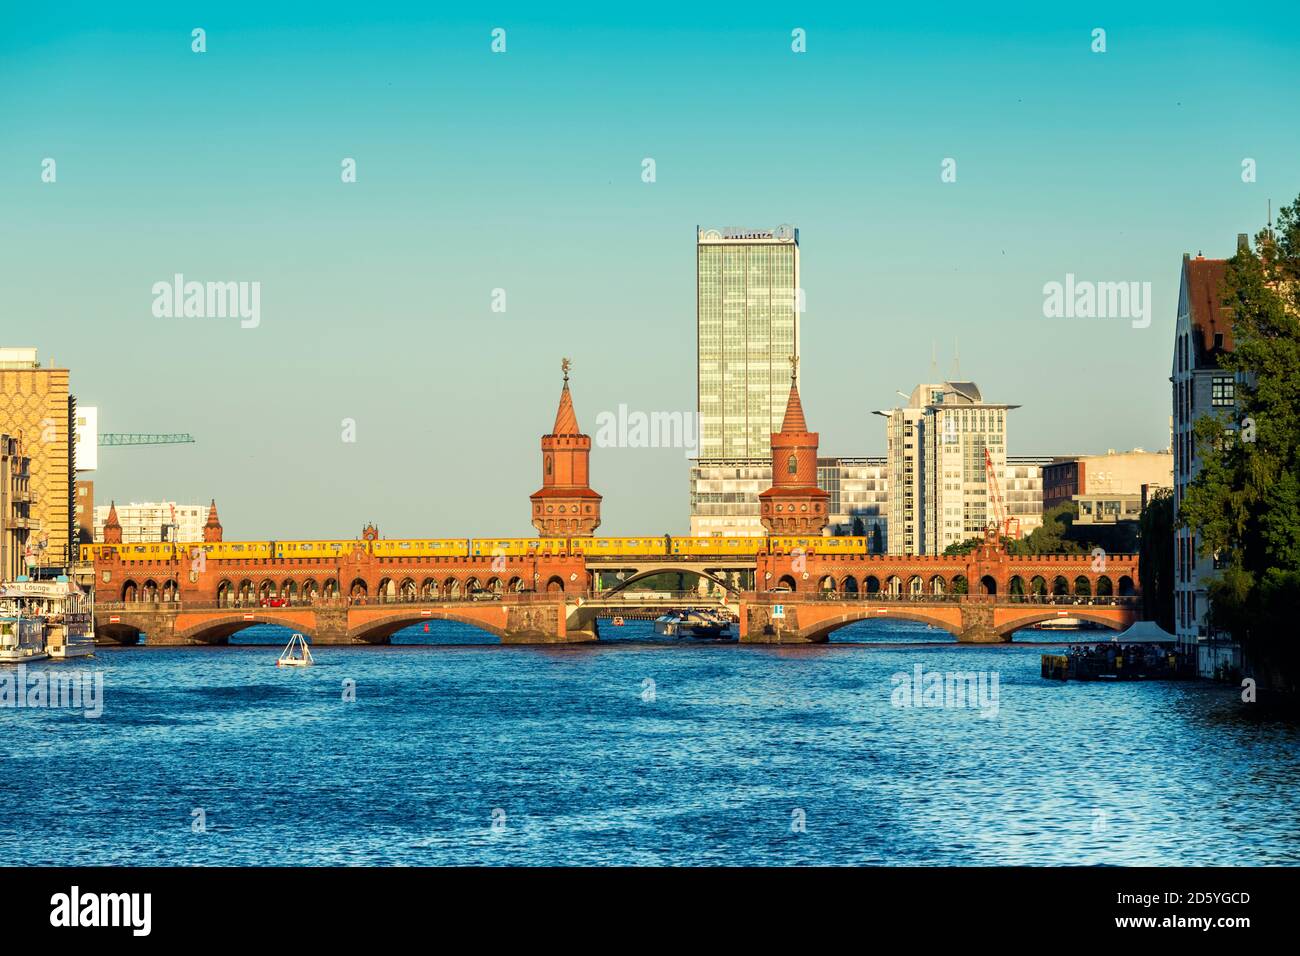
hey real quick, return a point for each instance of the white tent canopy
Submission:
(1145, 632)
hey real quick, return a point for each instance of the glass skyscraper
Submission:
(748, 302)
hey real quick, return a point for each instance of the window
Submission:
(792, 465)
(1223, 391)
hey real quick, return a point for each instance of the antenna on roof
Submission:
(956, 359)
(934, 360)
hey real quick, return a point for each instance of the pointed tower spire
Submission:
(212, 530)
(794, 504)
(566, 419)
(112, 527)
(794, 420)
(565, 504)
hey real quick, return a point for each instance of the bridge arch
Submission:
(822, 630)
(218, 630)
(649, 572)
(380, 630)
(1115, 622)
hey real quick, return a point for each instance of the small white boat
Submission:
(296, 653)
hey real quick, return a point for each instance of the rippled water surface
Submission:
(581, 760)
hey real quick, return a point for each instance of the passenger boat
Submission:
(296, 653)
(69, 622)
(693, 623)
(22, 626)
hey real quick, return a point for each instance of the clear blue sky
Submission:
(522, 171)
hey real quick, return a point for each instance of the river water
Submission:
(638, 752)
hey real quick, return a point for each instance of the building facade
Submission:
(1022, 490)
(37, 408)
(940, 447)
(748, 305)
(16, 522)
(858, 498)
(1085, 479)
(1202, 336)
(154, 521)
(724, 496)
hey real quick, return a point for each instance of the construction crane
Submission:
(1006, 525)
(133, 438)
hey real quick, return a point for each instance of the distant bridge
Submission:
(777, 596)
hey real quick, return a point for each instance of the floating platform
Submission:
(1117, 662)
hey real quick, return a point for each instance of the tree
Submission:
(1244, 504)
(877, 539)
(1156, 558)
(964, 547)
(1051, 538)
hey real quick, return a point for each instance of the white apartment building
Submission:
(938, 470)
(154, 521)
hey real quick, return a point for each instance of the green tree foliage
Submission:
(1156, 558)
(1244, 505)
(1051, 538)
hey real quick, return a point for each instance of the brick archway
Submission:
(219, 630)
(379, 630)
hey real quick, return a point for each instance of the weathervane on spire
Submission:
(794, 367)
(565, 364)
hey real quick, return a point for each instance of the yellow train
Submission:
(651, 545)
(427, 548)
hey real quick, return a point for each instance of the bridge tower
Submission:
(794, 504)
(212, 529)
(112, 527)
(565, 504)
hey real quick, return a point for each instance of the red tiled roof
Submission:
(794, 420)
(566, 419)
(1208, 316)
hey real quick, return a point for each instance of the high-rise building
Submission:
(36, 407)
(748, 304)
(1202, 337)
(904, 457)
(939, 449)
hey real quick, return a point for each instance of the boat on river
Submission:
(693, 623)
(44, 619)
(296, 653)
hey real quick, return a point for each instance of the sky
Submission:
(523, 171)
